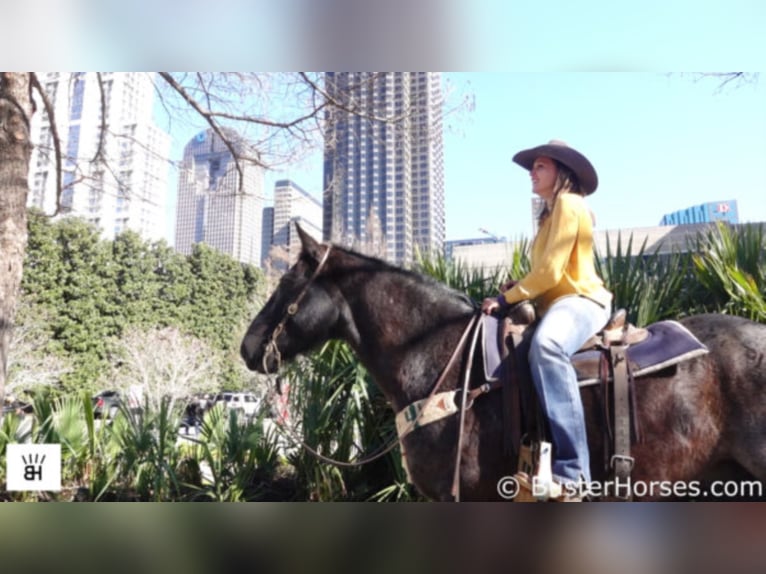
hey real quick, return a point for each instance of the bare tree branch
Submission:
(100, 148)
(726, 79)
(206, 115)
(54, 136)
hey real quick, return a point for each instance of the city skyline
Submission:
(660, 142)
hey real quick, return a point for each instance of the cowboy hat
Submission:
(570, 157)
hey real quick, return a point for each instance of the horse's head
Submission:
(299, 315)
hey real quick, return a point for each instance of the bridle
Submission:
(473, 326)
(273, 349)
(292, 309)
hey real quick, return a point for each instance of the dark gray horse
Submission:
(703, 419)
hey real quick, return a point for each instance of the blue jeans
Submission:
(564, 328)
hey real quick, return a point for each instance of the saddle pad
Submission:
(667, 343)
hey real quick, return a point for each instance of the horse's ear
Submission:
(309, 245)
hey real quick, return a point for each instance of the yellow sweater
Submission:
(562, 258)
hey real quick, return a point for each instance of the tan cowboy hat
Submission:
(570, 157)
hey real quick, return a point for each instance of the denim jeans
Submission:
(564, 328)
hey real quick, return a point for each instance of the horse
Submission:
(701, 420)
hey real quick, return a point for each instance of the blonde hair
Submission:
(566, 182)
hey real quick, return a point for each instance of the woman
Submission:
(570, 297)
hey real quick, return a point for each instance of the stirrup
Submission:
(533, 489)
(525, 493)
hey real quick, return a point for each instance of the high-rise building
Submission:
(114, 165)
(294, 205)
(212, 206)
(267, 233)
(385, 177)
(705, 213)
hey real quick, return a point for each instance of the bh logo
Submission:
(33, 466)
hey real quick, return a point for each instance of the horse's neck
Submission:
(404, 333)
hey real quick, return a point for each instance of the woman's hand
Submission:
(489, 305)
(507, 285)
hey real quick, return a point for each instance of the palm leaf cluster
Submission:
(475, 282)
(340, 414)
(649, 285)
(730, 266)
(139, 456)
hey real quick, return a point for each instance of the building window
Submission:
(75, 107)
(73, 145)
(214, 168)
(120, 225)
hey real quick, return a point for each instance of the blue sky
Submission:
(660, 142)
(581, 71)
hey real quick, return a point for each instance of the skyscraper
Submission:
(292, 204)
(384, 163)
(211, 207)
(115, 159)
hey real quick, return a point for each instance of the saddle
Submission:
(613, 358)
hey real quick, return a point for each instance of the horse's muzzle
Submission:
(252, 353)
(256, 356)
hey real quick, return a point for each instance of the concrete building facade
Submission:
(212, 206)
(292, 204)
(115, 162)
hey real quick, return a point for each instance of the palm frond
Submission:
(730, 264)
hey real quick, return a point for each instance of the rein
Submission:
(463, 407)
(412, 424)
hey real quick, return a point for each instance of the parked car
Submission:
(17, 406)
(106, 404)
(246, 403)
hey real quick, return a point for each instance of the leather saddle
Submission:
(613, 358)
(648, 349)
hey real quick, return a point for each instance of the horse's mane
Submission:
(413, 277)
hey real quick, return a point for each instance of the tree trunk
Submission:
(16, 109)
